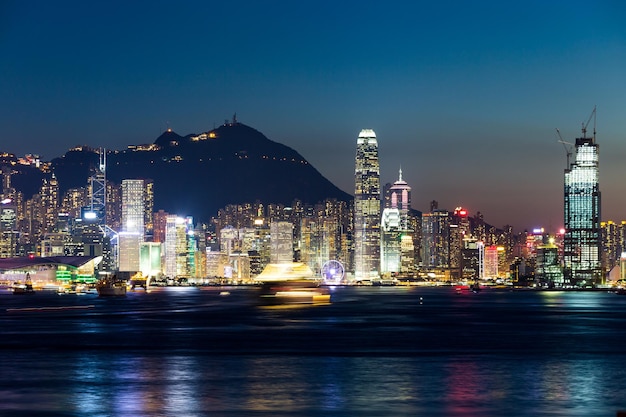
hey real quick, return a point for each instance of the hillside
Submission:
(198, 174)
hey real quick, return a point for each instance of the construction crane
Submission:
(584, 128)
(569, 147)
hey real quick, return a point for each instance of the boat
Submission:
(25, 288)
(291, 283)
(294, 292)
(111, 287)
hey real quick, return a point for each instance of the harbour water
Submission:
(377, 351)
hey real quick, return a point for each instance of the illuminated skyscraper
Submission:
(396, 242)
(176, 246)
(49, 203)
(133, 206)
(581, 244)
(132, 234)
(366, 207)
(436, 239)
(8, 230)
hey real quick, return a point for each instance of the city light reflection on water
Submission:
(368, 352)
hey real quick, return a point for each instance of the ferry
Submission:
(111, 287)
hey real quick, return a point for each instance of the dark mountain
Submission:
(199, 174)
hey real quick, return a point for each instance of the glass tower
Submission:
(581, 243)
(366, 207)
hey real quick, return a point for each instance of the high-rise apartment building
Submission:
(49, 203)
(366, 207)
(581, 244)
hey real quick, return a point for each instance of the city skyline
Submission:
(465, 98)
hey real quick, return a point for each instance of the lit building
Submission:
(611, 244)
(436, 239)
(281, 241)
(581, 244)
(132, 235)
(49, 203)
(367, 207)
(129, 244)
(390, 242)
(472, 259)
(133, 206)
(150, 259)
(548, 271)
(491, 261)
(175, 247)
(159, 226)
(8, 230)
(396, 243)
(148, 203)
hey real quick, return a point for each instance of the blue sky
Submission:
(465, 96)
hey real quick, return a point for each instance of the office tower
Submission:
(366, 207)
(611, 244)
(491, 261)
(400, 198)
(581, 244)
(397, 250)
(150, 259)
(159, 225)
(114, 205)
(281, 241)
(548, 271)
(98, 190)
(176, 246)
(148, 206)
(132, 235)
(8, 229)
(133, 206)
(436, 239)
(390, 242)
(129, 244)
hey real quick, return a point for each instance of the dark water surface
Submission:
(372, 351)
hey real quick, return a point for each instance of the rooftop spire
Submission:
(400, 176)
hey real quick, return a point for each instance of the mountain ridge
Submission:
(199, 174)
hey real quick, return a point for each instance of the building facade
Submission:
(582, 239)
(367, 214)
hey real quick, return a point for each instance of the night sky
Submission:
(465, 96)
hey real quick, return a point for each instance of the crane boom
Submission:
(567, 145)
(584, 129)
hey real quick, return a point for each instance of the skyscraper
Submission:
(133, 206)
(366, 207)
(132, 234)
(581, 243)
(396, 241)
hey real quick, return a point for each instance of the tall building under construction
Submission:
(582, 240)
